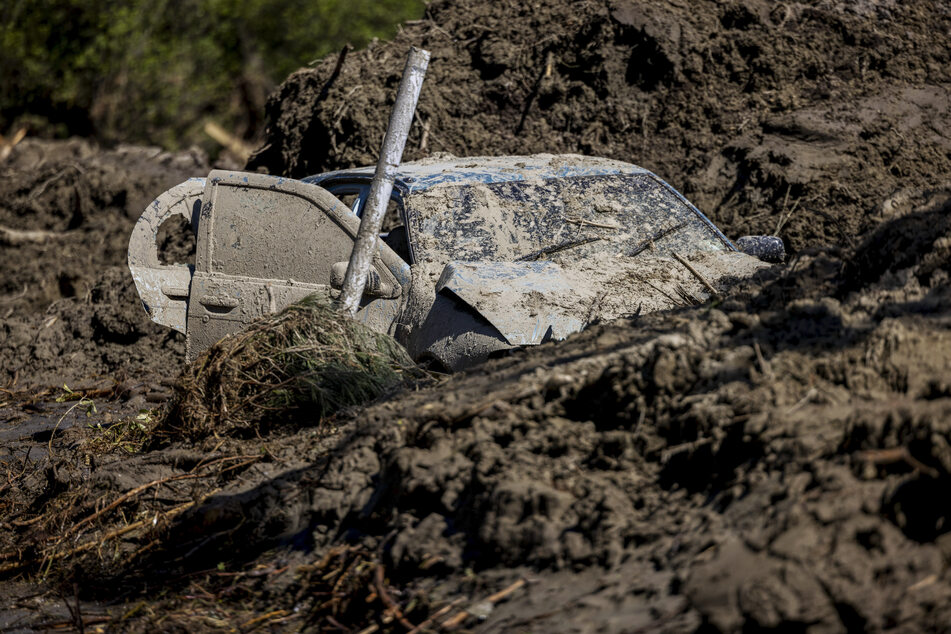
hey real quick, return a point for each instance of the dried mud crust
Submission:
(68, 305)
(794, 118)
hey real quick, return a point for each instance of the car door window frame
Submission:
(350, 226)
(361, 187)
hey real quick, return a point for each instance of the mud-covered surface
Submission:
(69, 308)
(775, 460)
(791, 118)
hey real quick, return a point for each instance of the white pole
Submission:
(361, 258)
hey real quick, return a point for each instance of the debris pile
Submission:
(303, 364)
(775, 460)
(792, 119)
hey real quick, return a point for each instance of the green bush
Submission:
(153, 71)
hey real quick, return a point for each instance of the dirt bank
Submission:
(69, 308)
(796, 119)
(775, 461)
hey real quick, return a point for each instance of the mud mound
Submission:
(794, 119)
(720, 469)
(717, 469)
(68, 304)
(79, 340)
(913, 242)
(68, 208)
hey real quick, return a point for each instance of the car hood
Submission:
(533, 302)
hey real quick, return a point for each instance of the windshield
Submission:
(623, 214)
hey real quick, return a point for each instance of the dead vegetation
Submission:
(303, 364)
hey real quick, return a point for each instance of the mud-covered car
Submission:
(479, 255)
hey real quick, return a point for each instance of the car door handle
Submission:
(175, 292)
(221, 302)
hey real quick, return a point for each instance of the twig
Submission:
(783, 215)
(687, 296)
(380, 585)
(501, 594)
(336, 72)
(16, 237)
(536, 88)
(531, 257)
(588, 223)
(811, 393)
(647, 243)
(229, 141)
(6, 147)
(49, 446)
(697, 274)
(462, 615)
(662, 292)
(263, 617)
(43, 187)
(438, 613)
(927, 581)
(897, 454)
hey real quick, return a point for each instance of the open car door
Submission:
(263, 243)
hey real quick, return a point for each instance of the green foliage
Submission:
(154, 71)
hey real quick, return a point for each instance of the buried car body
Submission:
(479, 255)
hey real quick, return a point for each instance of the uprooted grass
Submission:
(298, 366)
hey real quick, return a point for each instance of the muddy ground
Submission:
(779, 460)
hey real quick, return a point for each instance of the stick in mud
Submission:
(697, 274)
(382, 185)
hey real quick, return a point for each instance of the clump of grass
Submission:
(300, 365)
(128, 435)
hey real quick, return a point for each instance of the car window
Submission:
(392, 218)
(391, 231)
(282, 238)
(351, 200)
(622, 214)
(351, 194)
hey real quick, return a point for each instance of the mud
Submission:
(69, 309)
(792, 119)
(775, 460)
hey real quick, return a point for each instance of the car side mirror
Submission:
(766, 248)
(375, 288)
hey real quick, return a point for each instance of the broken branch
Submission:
(582, 222)
(16, 237)
(897, 454)
(697, 274)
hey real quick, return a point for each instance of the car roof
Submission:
(444, 169)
